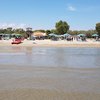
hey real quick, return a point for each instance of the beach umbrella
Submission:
(52, 34)
(1, 34)
(16, 35)
(66, 35)
(95, 35)
(58, 36)
(61, 35)
(81, 35)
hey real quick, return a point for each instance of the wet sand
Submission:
(36, 83)
(40, 94)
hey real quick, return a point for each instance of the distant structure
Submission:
(28, 29)
(29, 32)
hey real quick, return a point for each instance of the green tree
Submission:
(62, 27)
(39, 31)
(3, 31)
(20, 31)
(75, 32)
(98, 28)
(48, 32)
(9, 30)
(89, 33)
(53, 31)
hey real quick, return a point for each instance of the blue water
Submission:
(51, 57)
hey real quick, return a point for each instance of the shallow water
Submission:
(51, 57)
(53, 68)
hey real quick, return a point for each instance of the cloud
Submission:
(14, 26)
(71, 8)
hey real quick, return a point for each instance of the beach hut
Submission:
(38, 35)
(5, 36)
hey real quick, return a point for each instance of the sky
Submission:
(43, 14)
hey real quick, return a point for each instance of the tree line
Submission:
(61, 27)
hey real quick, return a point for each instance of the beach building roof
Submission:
(37, 34)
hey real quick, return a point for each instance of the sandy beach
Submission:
(60, 43)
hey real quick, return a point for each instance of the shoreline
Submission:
(49, 43)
